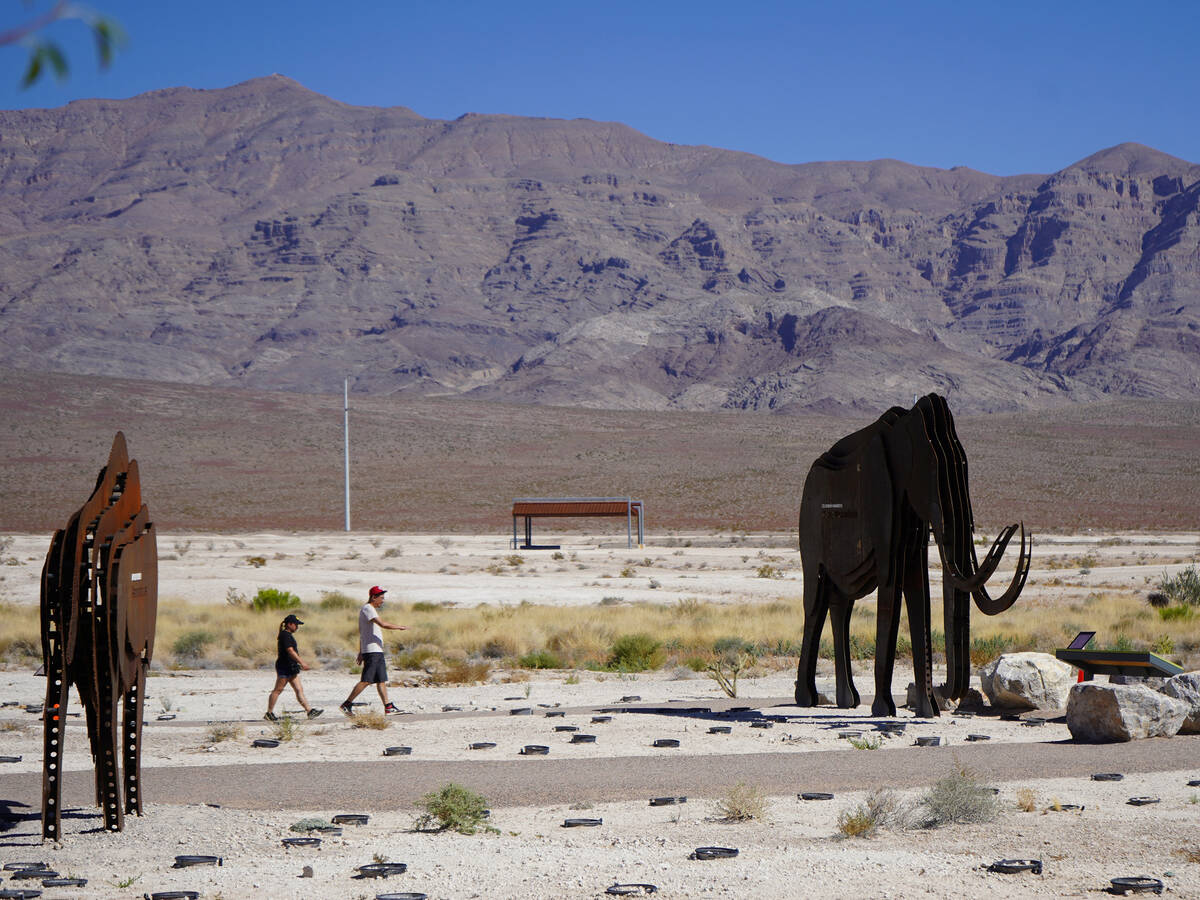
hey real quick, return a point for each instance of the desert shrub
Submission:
(336, 600)
(958, 798)
(726, 668)
(743, 803)
(766, 570)
(881, 809)
(1178, 613)
(414, 658)
(636, 653)
(866, 742)
(735, 645)
(1026, 800)
(285, 729)
(1182, 588)
(272, 599)
(372, 719)
(463, 672)
(1122, 643)
(425, 606)
(304, 826)
(452, 808)
(224, 731)
(540, 659)
(192, 644)
(985, 649)
(862, 647)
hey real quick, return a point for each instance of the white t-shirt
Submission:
(370, 635)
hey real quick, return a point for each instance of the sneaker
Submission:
(347, 709)
(390, 710)
(271, 717)
(314, 712)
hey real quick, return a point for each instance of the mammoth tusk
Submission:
(990, 607)
(982, 572)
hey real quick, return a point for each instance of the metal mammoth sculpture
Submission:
(868, 507)
(99, 605)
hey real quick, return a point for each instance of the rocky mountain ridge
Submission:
(267, 236)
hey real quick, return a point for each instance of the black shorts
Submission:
(374, 669)
(287, 668)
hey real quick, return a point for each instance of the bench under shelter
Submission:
(530, 508)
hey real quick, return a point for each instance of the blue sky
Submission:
(1002, 87)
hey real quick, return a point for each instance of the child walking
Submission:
(287, 669)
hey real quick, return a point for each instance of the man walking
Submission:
(370, 652)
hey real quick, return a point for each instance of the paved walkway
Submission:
(392, 782)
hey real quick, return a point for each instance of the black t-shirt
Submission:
(286, 640)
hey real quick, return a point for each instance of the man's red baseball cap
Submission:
(376, 591)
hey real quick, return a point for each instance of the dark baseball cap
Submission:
(291, 620)
(376, 591)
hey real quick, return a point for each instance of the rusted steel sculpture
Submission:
(99, 605)
(869, 504)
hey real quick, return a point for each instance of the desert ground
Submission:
(210, 792)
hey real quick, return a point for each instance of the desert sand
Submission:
(795, 852)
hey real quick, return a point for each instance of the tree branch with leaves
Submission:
(45, 55)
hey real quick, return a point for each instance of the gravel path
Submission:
(393, 782)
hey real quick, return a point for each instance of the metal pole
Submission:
(346, 442)
(629, 522)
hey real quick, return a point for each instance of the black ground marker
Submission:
(630, 890)
(1138, 884)
(183, 862)
(1013, 866)
(713, 853)
(381, 870)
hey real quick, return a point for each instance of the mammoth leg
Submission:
(840, 608)
(131, 743)
(816, 605)
(887, 628)
(916, 599)
(58, 692)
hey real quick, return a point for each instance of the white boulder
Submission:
(1186, 687)
(1102, 713)
(1027, 681)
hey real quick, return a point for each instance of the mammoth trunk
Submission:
(957, 614)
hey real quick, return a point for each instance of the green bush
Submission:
(272, 598)
(454, 807)
(735, 645)
(425, 606)
(540, 659)
(192, 644)
(636, 653)
(1180, 613)
(335, 600)
(1183, 588)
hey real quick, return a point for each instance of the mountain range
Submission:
(264, 235)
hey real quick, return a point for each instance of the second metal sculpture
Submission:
(99, 606)
(868, 507)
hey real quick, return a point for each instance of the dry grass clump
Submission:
(372, 719)
(743, 803)
(1026, 800)
(957, 799)
(881, 809)
(20, 632)
(224, 731)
